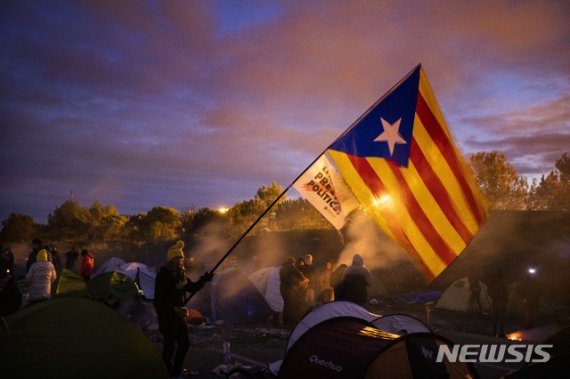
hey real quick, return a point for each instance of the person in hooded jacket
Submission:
(39, 278)
(171, 287)
(87, 264)
(355, 281)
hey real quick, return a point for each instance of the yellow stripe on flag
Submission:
(447, 177)
(404, 219)
(432, 210)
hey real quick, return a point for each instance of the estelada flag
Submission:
(323, 187)
(400, 161)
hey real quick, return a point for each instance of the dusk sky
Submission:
(199, 103)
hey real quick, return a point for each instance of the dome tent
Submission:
(75, 338)
(70, 283)
(140, 273)
(395, 323)
(233, 298)
(349, 347)
(268, 283)
(457, 297)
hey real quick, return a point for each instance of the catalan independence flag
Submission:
(401, 163)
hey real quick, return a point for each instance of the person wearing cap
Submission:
(40, 278)
(171, 287)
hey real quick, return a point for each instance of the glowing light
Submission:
(383, 201)
(223, 210)
(514, 336)
(531, 270)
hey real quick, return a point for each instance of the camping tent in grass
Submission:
(75, 338)
(349, 347)
(233, 298)
(457, 297)
(113, 283)
(70, 284)
(396, 323)
(401, 324)
(554, 368)
(237, 301)
(142, 274)
(109, 265)
(268, 283)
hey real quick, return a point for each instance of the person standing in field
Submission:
(37, 246)
(356, 280)
(171, 286)
(39, 278)
(327, 290)
(70, 258)
(499, 293)
(87, 264)
(292, 290)
(311, 274)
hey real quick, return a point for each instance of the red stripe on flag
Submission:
(438, 191)
(434, 239)
(375, 185)
(440, 139)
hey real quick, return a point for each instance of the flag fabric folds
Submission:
(323, 187)
(400, 162)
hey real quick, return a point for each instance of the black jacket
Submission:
(170, 293)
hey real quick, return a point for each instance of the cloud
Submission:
(143, 104)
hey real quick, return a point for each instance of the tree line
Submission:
(72, 223)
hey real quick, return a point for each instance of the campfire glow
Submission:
(515, 336)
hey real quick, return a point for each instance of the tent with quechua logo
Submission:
(350, 347)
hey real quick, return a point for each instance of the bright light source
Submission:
(532, 270)
(223, 210)
(514, 336)
(383, 201)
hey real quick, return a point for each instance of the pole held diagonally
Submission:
(238, 241)
(231, 249)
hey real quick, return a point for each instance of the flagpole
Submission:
(238, 241)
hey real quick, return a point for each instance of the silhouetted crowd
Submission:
(304, 284)
(43, 267)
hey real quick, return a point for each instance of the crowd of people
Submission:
(304, 284)
(43, 267)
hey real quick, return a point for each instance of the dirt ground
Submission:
(265, 343)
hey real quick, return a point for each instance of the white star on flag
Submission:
(391, 134)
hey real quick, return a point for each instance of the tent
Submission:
(350, 347)
(75, 338)
(113, 283)
(554, 368)
(401, 324)
(142, 274)
(268, 282)
(109, 265)
(233, 298)
(457, 297)
(560, 341)
(70, 284)
(394, 323)
(237, 301)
